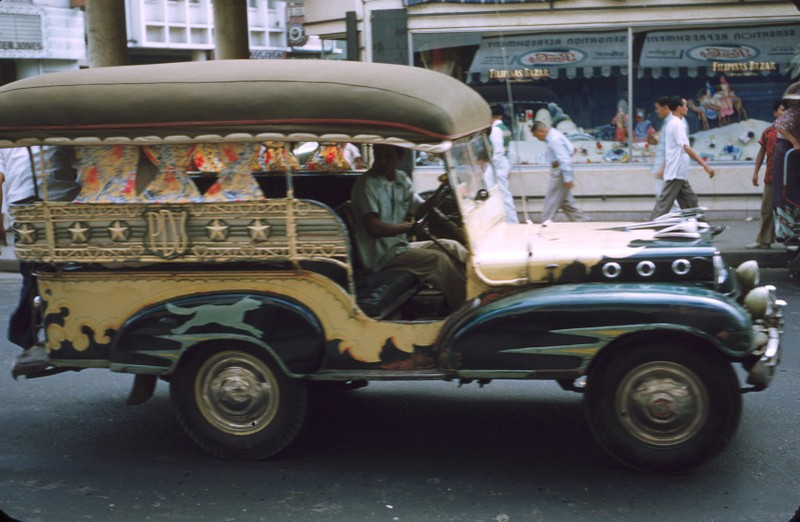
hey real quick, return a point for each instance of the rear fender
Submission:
(557, 330)
(154, 339)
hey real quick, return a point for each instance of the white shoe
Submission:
(547, 222)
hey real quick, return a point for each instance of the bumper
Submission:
(762, 372)
(767, 341)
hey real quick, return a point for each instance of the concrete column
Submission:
(106, 33)
(230, 30)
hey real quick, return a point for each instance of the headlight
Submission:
(747, 275)
(758, 302)
(720, 270)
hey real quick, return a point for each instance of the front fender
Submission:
(561, 328)
(154, 339)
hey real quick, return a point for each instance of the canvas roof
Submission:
(239, 100)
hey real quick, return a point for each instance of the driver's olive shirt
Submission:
(392, 201)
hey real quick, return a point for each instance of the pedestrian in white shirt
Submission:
(500, 137)
(16, 179)
(661, 106)
(559, 187)
(676, 162)
(17, 167)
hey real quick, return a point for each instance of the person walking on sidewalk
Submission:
(17, 179)
(786, 184)
(766, 231)
(500, 137)
(676, 164)
(661, 106)
(559, 187)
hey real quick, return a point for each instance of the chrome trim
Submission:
(612, 270)
(681, 267)
(762, 372)
(646, 268)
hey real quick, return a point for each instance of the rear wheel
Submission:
(663, 408)
(237, 403)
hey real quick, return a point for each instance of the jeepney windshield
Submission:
(471, 163)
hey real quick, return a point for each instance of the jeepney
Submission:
(199, 251)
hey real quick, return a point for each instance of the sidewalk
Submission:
(730, 243)
(739, 233)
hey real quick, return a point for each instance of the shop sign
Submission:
(20, 32)
(518, 74)
(767, 48)
(728, 53)
(553, 57)
(268, 54)
(550, 52)
(744, 68)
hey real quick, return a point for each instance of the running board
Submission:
(378, 375)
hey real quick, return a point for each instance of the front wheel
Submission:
(237, 403)
(663, 408)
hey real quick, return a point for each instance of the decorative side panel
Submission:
(201, 233)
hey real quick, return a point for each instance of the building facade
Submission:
(593, 69)
(38, 37)
(180, 30)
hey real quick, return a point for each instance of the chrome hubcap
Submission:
(662, 403)
(237, 393)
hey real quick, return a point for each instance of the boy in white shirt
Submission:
(676, 162)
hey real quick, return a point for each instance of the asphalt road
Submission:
(511, 451)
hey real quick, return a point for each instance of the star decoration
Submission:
(119, 231)
(26, 233)
(217, 230)
(258, 231)
(80, 232)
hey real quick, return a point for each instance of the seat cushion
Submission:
(379, 294)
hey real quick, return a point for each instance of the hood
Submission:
(674, 249)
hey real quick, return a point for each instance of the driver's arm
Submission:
(378, 228)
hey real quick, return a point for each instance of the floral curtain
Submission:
(107, 173)
(233, 163)
(172, 185)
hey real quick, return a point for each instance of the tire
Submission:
(663, 408)
(236, 403)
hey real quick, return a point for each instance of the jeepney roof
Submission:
(241, 100)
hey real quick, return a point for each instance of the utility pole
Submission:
(106, 33)
(231, 30)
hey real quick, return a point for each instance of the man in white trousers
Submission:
(500, 137)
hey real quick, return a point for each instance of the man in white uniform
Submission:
(16, 176)
(559, 188)
(500, 137)
(17, 179)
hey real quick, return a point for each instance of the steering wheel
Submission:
(431, 206)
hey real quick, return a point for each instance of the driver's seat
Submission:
(381, 294)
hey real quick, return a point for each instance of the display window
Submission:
(599, 87)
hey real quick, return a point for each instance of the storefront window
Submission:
(575, 81)
(579, 81)
(730, 78)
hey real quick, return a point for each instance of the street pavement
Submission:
(731, 244)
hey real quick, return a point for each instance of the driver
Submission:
(382, 198)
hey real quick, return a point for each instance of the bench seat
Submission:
(380, 294)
